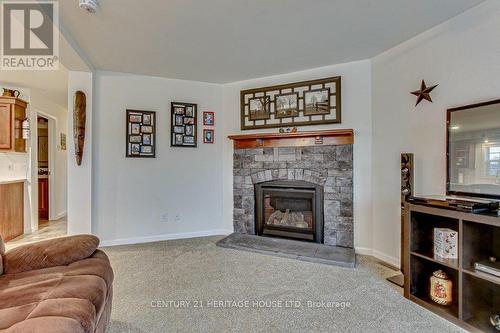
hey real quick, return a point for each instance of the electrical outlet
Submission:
(164, 217)
(177, 218)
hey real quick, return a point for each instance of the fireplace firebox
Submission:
(289, 209)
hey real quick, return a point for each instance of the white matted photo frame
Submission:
(184, 125)
(140, 138)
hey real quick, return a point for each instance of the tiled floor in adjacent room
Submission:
(47, 230)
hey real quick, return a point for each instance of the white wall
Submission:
(80, 176)
(356, 114)
(176, 194)
(462, 56)
(131, 195)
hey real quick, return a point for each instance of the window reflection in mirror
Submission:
(474, 150)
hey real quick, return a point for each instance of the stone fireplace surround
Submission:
(323, 158)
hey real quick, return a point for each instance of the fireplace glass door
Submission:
(288, 212)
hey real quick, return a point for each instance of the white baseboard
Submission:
(393, 261)
(60, 215)
(385, 258)
(159, 238)
(363, 251)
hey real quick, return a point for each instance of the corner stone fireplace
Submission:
(314, 166)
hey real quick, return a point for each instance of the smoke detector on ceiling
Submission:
(89, 5)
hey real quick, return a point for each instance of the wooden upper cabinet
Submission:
(12, 114)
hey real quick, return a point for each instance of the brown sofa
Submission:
(58, 285)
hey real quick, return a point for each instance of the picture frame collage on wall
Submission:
(141, 133)
(208, 133)
(184, 125)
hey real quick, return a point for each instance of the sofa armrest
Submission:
(49, 253)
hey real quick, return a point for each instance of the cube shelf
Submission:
(476, 295)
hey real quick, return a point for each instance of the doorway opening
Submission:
(43, 170)
(51, 165)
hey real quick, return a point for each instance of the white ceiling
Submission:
(53, 85)
(230, 40)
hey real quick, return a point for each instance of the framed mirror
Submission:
(473, 150)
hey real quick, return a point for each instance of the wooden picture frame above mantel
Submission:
(302, 103)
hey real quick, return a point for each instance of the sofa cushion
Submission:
(49, 253)
(58, 299)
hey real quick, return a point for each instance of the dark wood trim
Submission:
(298, 139)
(476, 105)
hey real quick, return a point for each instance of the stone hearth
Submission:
(330, 166)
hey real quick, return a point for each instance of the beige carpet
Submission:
(247, 292)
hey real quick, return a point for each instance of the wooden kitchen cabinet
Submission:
(11, 210)
(12, 114)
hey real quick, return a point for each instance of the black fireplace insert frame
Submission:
(295, 186)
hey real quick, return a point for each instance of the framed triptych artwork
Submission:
(141, 133)
(294, 104)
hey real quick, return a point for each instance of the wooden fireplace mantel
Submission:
(298, 139)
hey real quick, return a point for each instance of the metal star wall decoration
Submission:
(423, 93)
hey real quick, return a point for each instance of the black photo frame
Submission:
(140, 141)
(184, 125)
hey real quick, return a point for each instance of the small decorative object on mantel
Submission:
(441, 288)
(288, 130)
(208, 118)
(295, 104)
(141, 133)
(445, 243)
(184, 125)
(208, 136)
(79, 120)
(423, 93)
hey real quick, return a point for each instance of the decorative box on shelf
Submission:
(445, 243)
